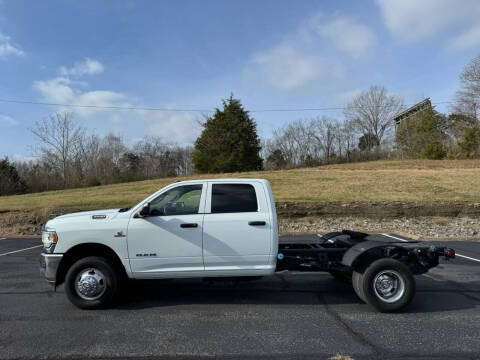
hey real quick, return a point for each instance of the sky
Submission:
(192, 54)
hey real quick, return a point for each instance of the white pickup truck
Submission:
(218, 228)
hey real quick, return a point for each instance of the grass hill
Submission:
(426, 181)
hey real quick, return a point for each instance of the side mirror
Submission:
(145, 209)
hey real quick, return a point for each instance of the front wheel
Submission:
(92, 283)
(387, 284)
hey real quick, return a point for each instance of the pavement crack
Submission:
(48, 292)
(285, 283)
(356, 335)
(468, 296)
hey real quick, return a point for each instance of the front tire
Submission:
(387, 284)
(92, 283)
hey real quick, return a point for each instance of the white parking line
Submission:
(397, 238)
(3, 238)
(467, 257)
(13, 252)
(456, 254)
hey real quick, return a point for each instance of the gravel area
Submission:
(425, 228)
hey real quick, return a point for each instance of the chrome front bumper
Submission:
(49, 265)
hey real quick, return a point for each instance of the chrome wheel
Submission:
(90, 284)
(389, 286)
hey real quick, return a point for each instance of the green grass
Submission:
(408, 181)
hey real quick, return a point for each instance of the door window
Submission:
(232, 198)
(181, 200)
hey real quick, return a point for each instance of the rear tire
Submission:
(357, 279)
(387, 284)
(92, 283)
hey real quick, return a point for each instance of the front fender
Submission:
(90, 249)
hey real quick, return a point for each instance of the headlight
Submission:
(49, 239)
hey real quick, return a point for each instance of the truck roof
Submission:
(237, 180)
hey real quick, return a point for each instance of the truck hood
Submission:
(83, 216)
(101, 214)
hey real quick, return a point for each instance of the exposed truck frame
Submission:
(347, 251)
(379, 266)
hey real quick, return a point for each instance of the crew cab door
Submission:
(237, 228)
(169, 239)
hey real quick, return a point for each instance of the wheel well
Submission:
(83, 250)
(363, 260)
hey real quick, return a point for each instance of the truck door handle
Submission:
(256, 223)
(188, 225)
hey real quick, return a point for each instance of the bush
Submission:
(470, 143)
(276, 160)
(10, 182)
(433, 150)
(368, 141)
(422, 135)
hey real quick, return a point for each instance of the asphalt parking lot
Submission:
(280, 317)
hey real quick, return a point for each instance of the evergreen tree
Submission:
(229, 141)
(429, 135)
(276, 160)
(10, 182)
(423, 135)
(368, 141)
(470, 144)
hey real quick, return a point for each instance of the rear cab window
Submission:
(233, 198)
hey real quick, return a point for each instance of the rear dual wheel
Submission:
(387, 284)
(357, 279)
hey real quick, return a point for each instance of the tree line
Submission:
(69, 156)
(363, 134)
(368, 132)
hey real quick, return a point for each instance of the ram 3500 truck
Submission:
(219, 228)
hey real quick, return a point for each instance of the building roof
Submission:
(422, 105)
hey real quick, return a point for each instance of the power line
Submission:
(337, 108)
(100, 106)
(184, 110)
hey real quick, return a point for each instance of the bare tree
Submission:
(59, 136)
(286, 140)
(159, 158)
(110, 153)
(69, 157)
(86, 161)
(307, 142)
(468, 97)
(184, 164)
(347, 140)
(326, 131)
(372, 111)
(296, 142)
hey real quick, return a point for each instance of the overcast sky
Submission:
(191, 54)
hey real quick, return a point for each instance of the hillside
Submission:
(379, 189)
(405, 181)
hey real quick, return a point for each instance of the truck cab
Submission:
(204, 228)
